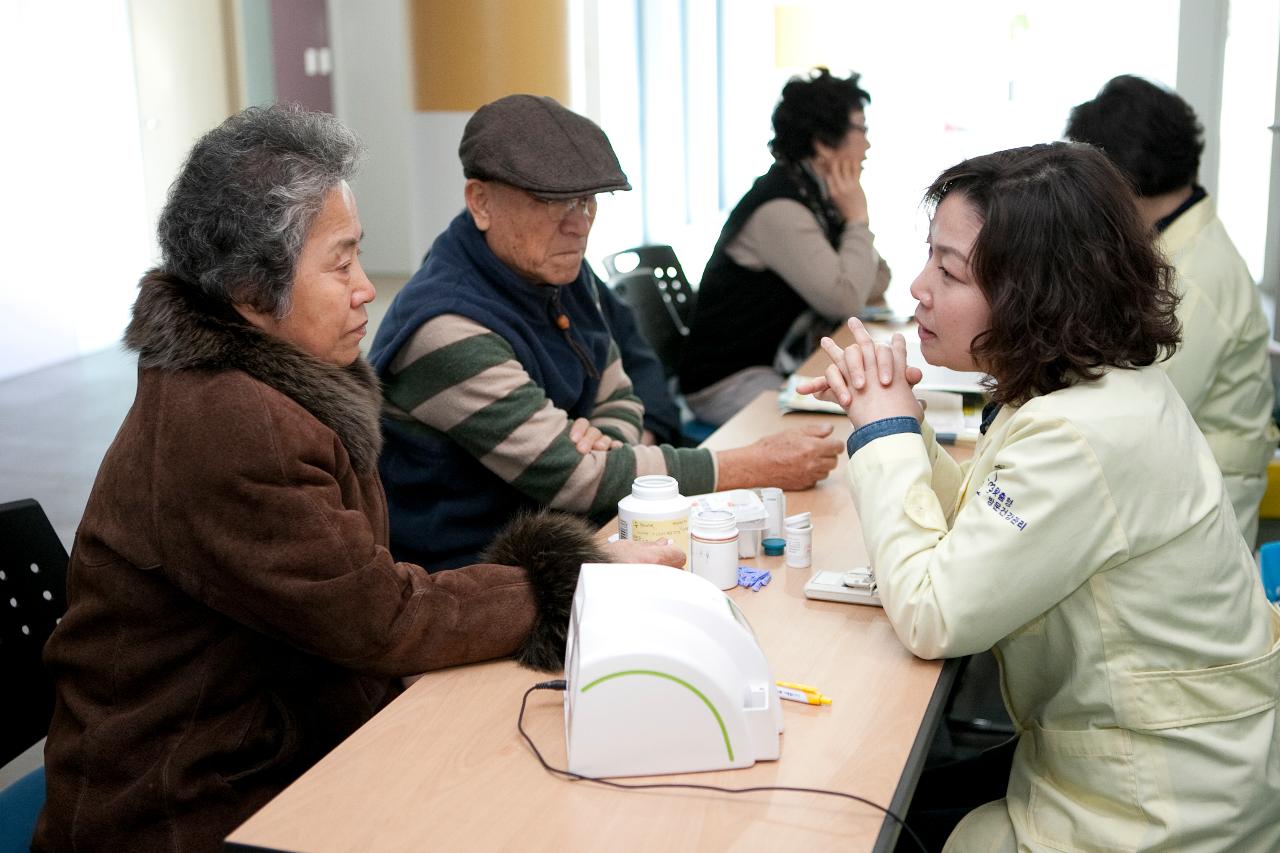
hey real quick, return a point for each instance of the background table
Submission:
(443, 766)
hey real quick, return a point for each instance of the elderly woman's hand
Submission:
(661, 552)
(869, 380)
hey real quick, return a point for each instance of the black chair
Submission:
(975, 717)
(651, 281)
(33, 594)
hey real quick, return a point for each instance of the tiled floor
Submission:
(55, 426)
(56, 423)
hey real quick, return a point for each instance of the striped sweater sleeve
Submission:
(459, 378)
(619, 413)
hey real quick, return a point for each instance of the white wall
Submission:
(372, 95)
(437, 174)
(181, 62)
(74, 212)
(411, 185)
(111, 95)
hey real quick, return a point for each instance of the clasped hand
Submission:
(869, 380)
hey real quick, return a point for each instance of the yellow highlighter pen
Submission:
(802, 693)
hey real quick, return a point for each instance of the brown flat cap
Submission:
(534, 143)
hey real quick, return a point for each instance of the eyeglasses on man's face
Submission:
(560, 209)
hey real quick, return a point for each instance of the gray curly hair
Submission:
(240, 209)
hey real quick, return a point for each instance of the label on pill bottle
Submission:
(651, 530)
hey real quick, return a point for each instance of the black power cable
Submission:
(561, 684)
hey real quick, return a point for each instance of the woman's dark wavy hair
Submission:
(240, 209)
(814, 108)
(1151, 133)
(1070, 270)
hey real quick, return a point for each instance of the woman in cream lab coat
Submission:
(1090, 541)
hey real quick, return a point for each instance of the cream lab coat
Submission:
(1090, 542)
(1221, 369)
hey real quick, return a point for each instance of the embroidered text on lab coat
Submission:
(1000, 502)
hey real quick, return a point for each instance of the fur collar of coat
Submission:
(175, 327)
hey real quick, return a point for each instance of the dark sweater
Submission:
(742, 315)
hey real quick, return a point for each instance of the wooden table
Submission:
(444, 768)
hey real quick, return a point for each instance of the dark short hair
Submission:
(240, 209)
(814, 109)
(1149, 132)
(1071, 272)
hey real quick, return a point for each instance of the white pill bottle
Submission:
(713, 536)
(799, 529)
(655, 510)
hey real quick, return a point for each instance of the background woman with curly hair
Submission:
(795, 256)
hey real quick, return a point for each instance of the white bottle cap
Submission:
(800, 519)
(655, 487)
(714, 521)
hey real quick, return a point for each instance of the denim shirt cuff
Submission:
(868, 433)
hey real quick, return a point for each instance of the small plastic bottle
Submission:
(799, 530)
(775, 507)
(713, 545)
(655, 510)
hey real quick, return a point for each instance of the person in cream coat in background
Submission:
(1221, 369)
(1090, 541)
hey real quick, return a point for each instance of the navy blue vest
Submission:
(444, 505)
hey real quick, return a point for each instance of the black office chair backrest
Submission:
(33, 595)
(652, 282)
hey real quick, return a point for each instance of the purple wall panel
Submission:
(301, 54)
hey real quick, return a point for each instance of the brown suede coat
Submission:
(233, 610)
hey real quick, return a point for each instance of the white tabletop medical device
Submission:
(664, 676)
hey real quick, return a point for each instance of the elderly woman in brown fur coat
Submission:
(234, 611)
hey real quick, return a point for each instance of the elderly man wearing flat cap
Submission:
(503, 388)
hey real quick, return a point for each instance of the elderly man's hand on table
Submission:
(792, 459)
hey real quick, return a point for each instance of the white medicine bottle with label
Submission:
(655, 510)
(799, 528)
(713, 536)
